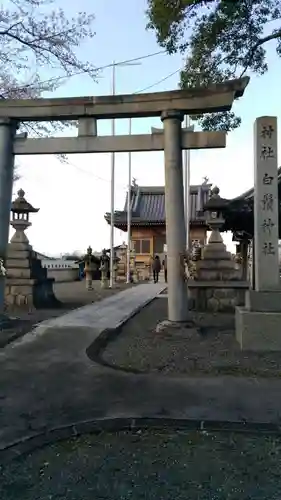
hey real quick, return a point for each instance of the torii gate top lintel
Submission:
(197, 100)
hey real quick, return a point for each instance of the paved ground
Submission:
(210, 348)
(163, 464)
(47, 380)
(71, 295)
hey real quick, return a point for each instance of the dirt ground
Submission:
(208, 348)
(158, 464)
(71, 295)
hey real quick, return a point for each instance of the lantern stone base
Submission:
(26, 281)
(104, 283)
(216, 296)
(216, 286)
(31, 293)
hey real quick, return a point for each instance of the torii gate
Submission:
(171, 106)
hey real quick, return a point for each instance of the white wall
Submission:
(60, 269)
(59, 264)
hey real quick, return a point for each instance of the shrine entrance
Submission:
(171, 106)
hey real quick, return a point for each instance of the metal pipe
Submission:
(129, 213)
(112, 190)
(187, 187)
(113, 172)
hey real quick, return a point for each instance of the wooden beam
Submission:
(196, 100)
(117, 144)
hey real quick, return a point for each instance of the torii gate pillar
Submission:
(7, 134)
(174, 207)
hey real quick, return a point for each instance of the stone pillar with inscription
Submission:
(258, 324)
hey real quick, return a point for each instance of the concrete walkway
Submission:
(47, 380)
(109, 313)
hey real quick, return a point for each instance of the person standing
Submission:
(164, 264)
(156, 267)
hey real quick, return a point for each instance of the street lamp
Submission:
(112, 188)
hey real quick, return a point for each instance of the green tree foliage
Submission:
(220, 40)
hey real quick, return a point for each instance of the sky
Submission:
(74, 197)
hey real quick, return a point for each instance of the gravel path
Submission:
(164, 465)
(208, 349)
(71, 295)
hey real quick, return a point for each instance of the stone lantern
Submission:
(89, 268)
(27, 282)
(123, 251)
(104, 268)
(133, 266)
(216, 286)
(215, 220)
(216, 263)
(116, 260)
(122, 263)
(214, 211)
(20, 218)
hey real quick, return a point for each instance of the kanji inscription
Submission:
(266, 206)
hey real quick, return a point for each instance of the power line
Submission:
(158, 82)
(87, 71)
(137, 92)
(93, 175)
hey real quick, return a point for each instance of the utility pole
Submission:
(112, 188)
(129, 211)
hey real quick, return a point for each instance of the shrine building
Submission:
(148, 224)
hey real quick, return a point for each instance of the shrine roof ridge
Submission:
(148, 206)
(211, 98)
(161, 189)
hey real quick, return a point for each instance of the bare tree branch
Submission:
(262, 41)
(36, 34)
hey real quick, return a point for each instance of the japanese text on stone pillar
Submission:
(267, 202)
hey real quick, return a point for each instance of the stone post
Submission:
(88, 277)
(266, 205)
(133, 266)
(104, 268)
(7, 135)
(175, 226)
(258, 325)
(104, 278)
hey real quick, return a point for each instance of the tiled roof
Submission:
(148, 205)
(44, 257)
